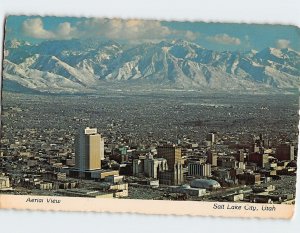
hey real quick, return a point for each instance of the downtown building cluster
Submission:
(184, 170)
(93, 167)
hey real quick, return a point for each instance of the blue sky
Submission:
(216, 36)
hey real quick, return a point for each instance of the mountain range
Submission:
(86, 66)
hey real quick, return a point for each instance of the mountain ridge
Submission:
(77, 66)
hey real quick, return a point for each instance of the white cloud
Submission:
(116, 29)
(35, 28)
(282, 43)
(224, 39)
(65, 31)
(123, 29)
(189, 35)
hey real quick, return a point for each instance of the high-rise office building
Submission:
(174, 175)
(154, 166)
(285, 152)
(89, 149)
(102, 148)
(171, 153)
(262, 160)
(198, 169)
(211, 137)
(212, 158)
(240, 156)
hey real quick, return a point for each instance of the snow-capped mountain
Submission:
(84, 66)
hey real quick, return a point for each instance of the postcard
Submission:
(148, 116)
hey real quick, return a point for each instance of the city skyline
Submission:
(143, 109)
(176, 167)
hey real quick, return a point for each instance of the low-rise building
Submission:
(249, 178)
(4, 183)
(45, 186)
(114, 179)
(186, 189)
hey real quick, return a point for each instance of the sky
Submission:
(215, 36)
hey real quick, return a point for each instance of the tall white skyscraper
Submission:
(89, 149)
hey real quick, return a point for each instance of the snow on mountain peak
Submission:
(179, 63)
